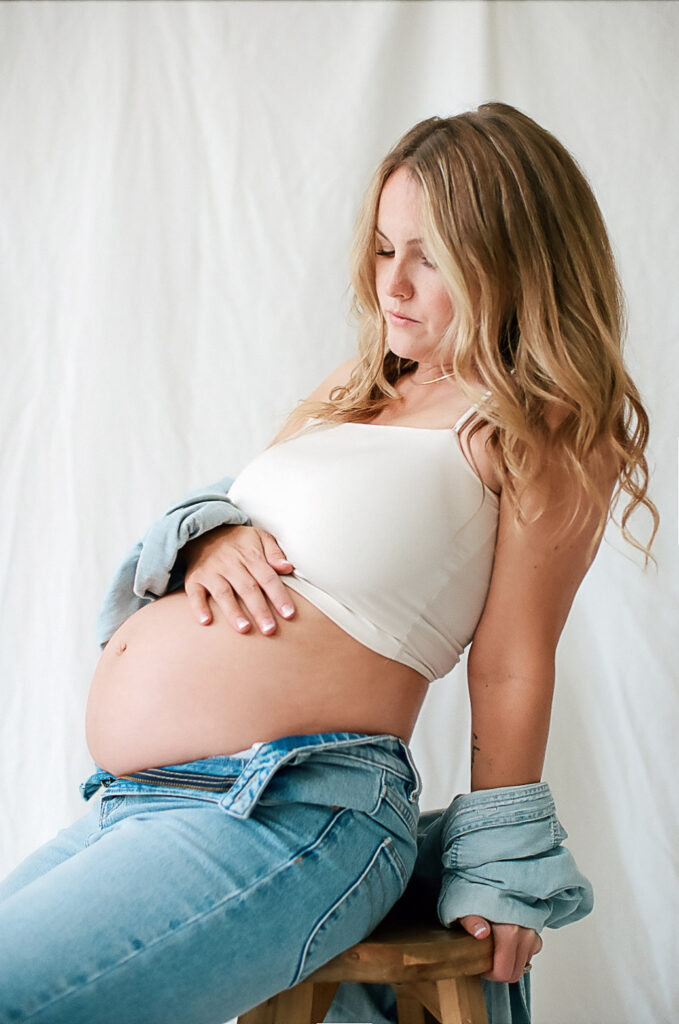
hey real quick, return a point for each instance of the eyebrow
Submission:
(411, 241)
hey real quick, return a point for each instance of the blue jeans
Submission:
(171, 903)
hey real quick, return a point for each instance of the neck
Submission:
(431, 375)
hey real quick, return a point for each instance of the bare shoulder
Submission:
(339, 376)
(538, 567)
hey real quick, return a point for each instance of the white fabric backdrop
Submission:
(178, 185)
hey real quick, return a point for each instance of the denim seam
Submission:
(483, 823)
(398, 863)
(373, 763)
(105, 811)
(539, 805)
(507, 794)
(256, 777)
(197, 917)
(382, 848)
(410, 821)
(490, 805)
(180, 792)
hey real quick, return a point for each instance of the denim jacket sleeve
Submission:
(498, 853)
(146, 572)
(502, 858)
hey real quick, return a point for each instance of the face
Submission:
(413, 299)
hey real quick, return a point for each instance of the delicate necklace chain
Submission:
(434, 380)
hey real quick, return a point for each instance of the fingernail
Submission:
(287, 610)
(205, 619)
(479, 930)
(268, 625)
(242, 623)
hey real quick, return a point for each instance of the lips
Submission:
(399, 319)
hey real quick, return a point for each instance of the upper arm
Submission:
(537, 569)
(339, 376)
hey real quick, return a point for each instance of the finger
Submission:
(273, 553)
(197, 598)
(250, 593)
(223, 595)
(276, 591)
(505, 941)
(513, 948)
(476, 926)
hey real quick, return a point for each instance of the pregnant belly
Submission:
(167, 690)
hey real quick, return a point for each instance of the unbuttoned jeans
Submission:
(173, 905)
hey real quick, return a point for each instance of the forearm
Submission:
(510, 723)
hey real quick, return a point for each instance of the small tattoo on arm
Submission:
(474, 746)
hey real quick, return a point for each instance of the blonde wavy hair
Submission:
(522, 248)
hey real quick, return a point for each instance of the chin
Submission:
(406, 351)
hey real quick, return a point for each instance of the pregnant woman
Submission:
(250, 719)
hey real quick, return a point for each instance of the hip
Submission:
(370, 777)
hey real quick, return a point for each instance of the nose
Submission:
(398, 283)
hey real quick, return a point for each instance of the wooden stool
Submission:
(434, 971)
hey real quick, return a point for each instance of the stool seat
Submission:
(433, 970)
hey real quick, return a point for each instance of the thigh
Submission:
(67, 843)
(179, 912)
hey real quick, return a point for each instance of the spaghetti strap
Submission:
(457, 427)
(464, 417)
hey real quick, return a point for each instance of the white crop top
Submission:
(389, 529)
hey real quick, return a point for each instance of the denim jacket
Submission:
(498, 853)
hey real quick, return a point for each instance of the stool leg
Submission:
(461, 1001)
(323, 994)
(306, 1003)
(409, 1011)
(262, 1014)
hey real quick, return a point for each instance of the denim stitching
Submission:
(255, 777)
(410, 821)
(387, 842)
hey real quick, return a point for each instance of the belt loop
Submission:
(414, 796)
(91, 785)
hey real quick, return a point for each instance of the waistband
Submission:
(238, 780)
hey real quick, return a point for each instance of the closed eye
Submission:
(390, 252)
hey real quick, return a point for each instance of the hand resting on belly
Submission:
(238, 562)
(169, 689)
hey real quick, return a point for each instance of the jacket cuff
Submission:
(146, 572)
(503, 859)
